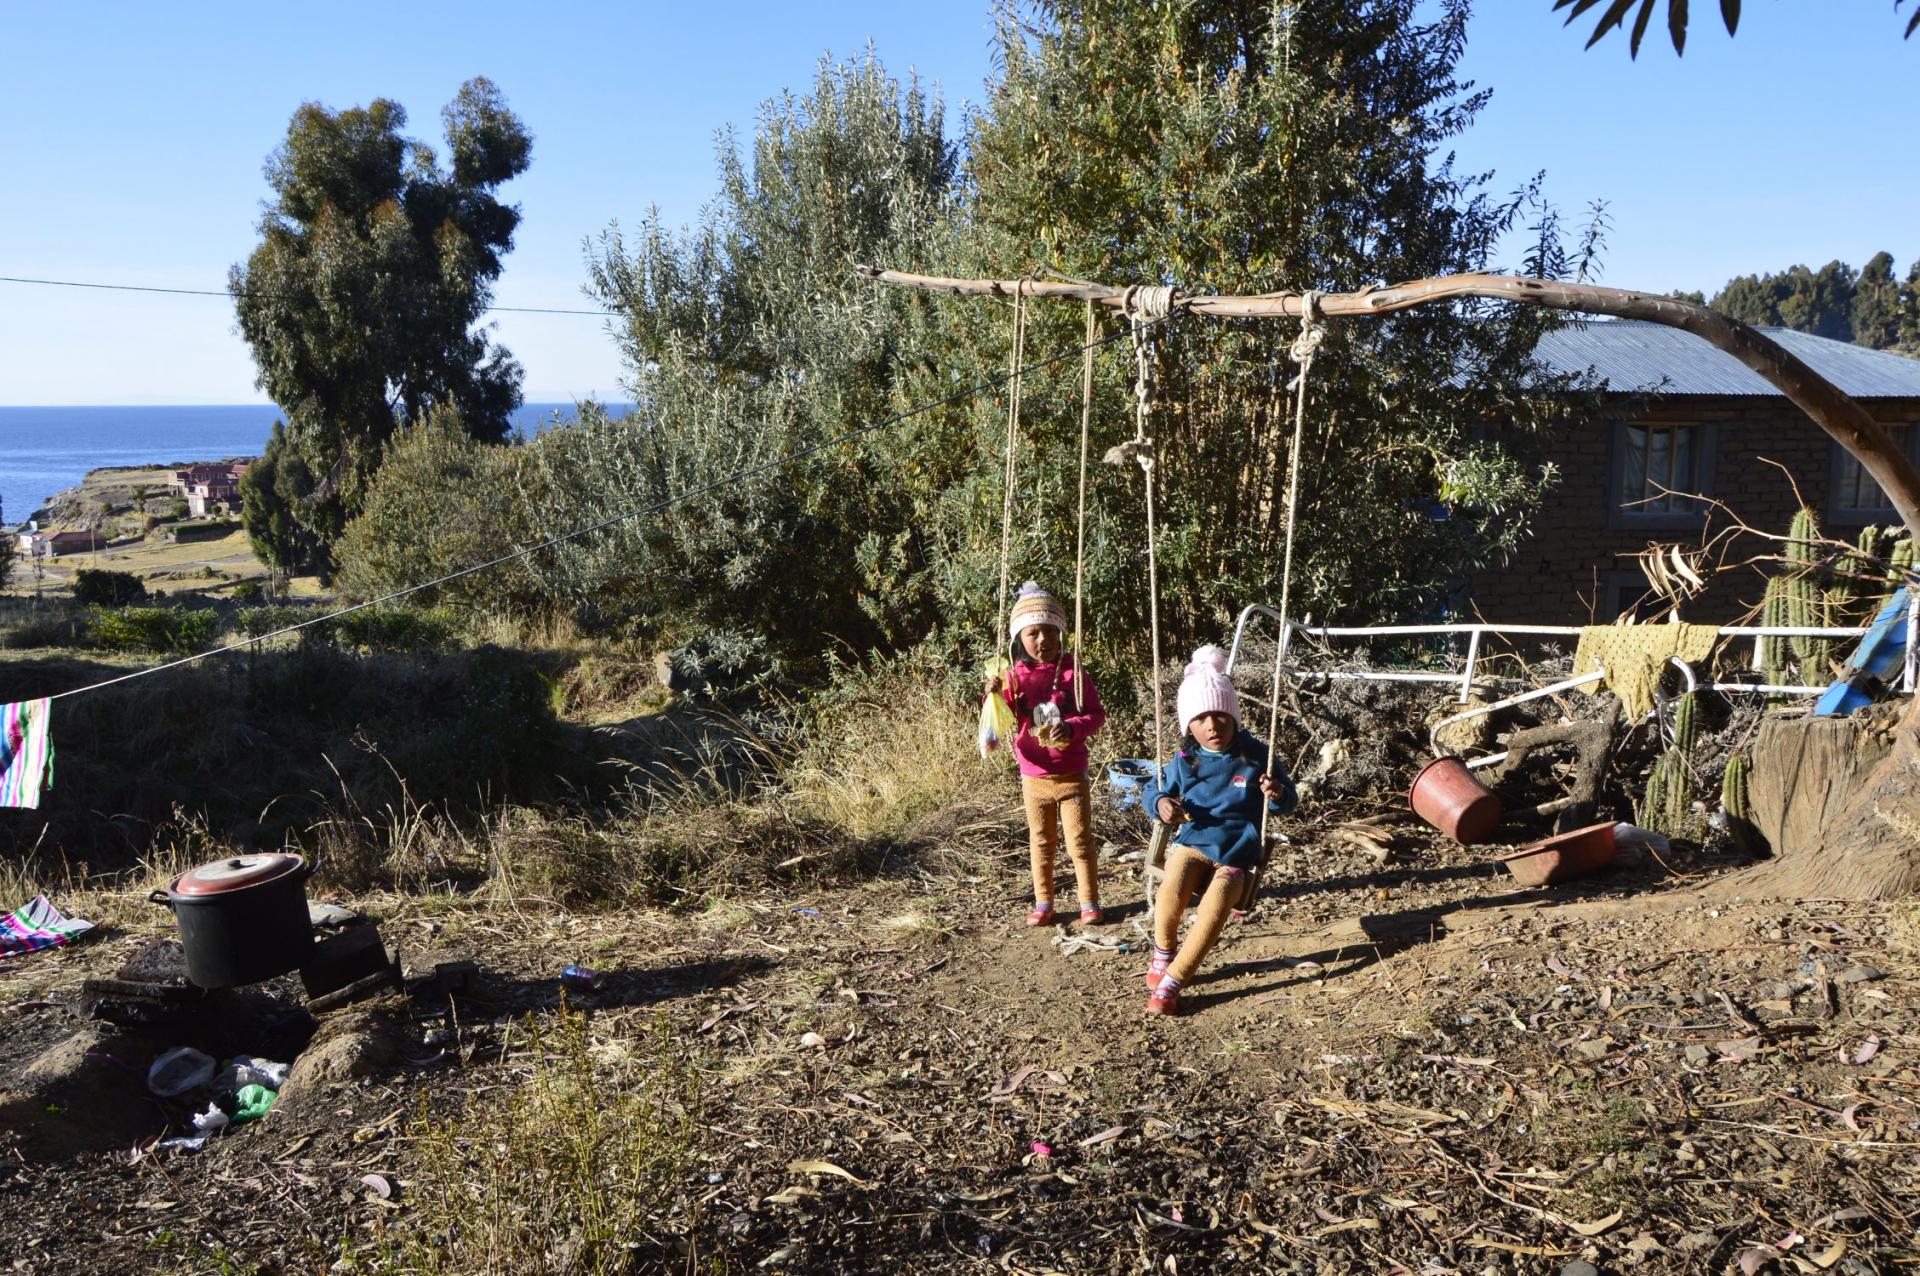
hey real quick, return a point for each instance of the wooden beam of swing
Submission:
(1864, 438)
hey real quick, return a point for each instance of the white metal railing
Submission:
(1475, 632)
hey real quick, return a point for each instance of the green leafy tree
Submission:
(746, 337)
(1238, 149)
(288, 529)
(1616, 13)
(375, 264)
(442, 501)
(1875, 312)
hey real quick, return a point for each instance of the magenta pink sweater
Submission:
(1041, 684)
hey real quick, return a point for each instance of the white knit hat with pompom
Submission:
(1206, 688)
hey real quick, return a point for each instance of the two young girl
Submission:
(1213, 790)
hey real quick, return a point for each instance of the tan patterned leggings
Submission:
(1059, 805)
(1186, 872)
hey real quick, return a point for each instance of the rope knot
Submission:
(1149, 303)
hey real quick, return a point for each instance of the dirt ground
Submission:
(1408, 1066)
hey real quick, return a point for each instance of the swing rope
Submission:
(1080, 527)
(1012, 445)
(1305, 346)
(1142, 451)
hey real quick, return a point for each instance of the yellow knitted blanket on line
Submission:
(1634, 655)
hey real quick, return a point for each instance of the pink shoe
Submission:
(1041, 916)
(1090, 915)
(1154, 975)
(1164, 1003)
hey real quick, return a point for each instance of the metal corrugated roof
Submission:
(1632, 355)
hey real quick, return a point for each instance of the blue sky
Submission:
(132, 138)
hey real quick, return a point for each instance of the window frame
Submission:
(1623, 517)
(1838, 458)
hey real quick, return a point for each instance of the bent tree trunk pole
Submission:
(1870, 846)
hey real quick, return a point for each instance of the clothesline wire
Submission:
(208, 292)
(653, 507)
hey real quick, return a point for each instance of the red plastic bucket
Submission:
(1446, 795)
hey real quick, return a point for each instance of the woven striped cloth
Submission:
(38, 925)
(26, 752)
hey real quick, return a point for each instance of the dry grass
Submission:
(886, 751)
(581, 1168)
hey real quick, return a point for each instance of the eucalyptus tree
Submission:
(362, 300)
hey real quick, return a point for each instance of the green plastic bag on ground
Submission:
(252, 1102)
(997, 726)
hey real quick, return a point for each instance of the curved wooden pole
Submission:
(1831, 409)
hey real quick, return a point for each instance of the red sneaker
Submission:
(1164, 1003)
(1155, 972)
(1090, 915)
(1041, 916)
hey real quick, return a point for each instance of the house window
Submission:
(1662, 463)
(1856, 497)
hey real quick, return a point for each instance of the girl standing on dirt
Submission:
(1213, 790)
(1057, 709)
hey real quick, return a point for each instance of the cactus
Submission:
(1686, 732)
(1738, 809)
(1668, 804)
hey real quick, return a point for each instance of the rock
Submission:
(1579, 1267)
(1858, 975)
(348, 1045)
(1698, 1054)
(1594, 1050)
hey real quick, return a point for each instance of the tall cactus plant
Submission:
(1668, 803)
(1735, 804)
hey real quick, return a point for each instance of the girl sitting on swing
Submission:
(1213, 789)
(1057, 709)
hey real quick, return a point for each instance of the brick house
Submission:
(1690, 418)
(210, 489)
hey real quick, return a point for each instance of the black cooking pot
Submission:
(242, 919)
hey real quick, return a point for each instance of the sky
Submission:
(132, 139)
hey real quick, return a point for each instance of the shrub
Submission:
(249, 590)
(163, 630)
(96, 587)
(582, 1169)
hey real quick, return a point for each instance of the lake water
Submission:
(43, 450)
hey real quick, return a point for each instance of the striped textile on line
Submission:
(26, 752)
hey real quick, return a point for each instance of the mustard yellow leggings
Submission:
(1059, 805)
(1186, 872)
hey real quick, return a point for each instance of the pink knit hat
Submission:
(1206, 688)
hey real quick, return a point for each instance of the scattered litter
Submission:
(1633, 835)
(252, 1103)
(581, 978)
(1868, 1048)
(179, 1070)
(378, 1185)
(807, 912)
(1041, 1149)
(183, 1143)
(1107, 1135)
(1071, 944)
(245, 1070)
(812, 1041)
(212, 1121)
(37, 925)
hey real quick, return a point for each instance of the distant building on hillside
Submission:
(55, 544)
(210, 489)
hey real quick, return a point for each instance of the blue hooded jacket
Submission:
(1221, 794)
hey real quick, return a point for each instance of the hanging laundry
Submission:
(26, 752)
(38, 925)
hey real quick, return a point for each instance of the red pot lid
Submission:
(235, 873)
